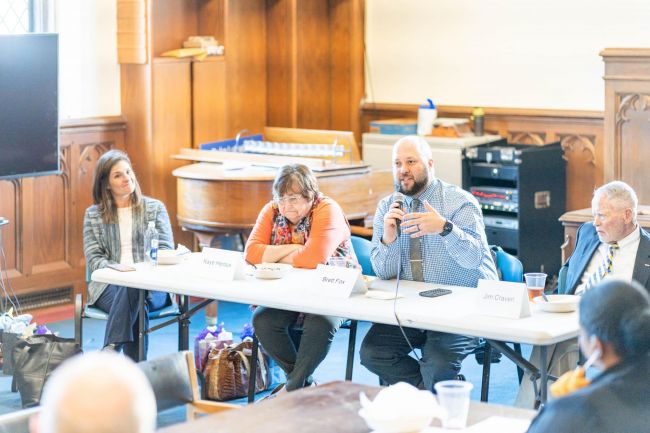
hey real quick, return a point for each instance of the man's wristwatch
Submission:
(447, 228)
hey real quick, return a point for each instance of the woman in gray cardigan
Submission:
(114, 229)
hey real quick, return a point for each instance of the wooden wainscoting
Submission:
(627, 117)
(43, 242)
(580, 132)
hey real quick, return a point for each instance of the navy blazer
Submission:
(586, 244)
(617, 401)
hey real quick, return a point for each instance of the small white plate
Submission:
(382, 295)
(171, 257)
(271, 271)
(558, 303)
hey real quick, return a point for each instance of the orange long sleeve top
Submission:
(329, 228)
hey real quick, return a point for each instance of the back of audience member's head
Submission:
(100, 392)
(618, 314)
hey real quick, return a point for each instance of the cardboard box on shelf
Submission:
(394, 126)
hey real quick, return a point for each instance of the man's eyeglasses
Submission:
(289, 199)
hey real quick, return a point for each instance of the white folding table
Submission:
(455, 313)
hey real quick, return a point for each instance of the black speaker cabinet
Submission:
(522, 192)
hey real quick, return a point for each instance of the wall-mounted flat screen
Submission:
(29, 105)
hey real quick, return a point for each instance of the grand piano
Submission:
(221, 192)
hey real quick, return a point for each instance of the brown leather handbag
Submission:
(228, 370)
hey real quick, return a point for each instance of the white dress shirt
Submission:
(622, 262)
(125, 219)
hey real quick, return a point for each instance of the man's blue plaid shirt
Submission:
(461, 258)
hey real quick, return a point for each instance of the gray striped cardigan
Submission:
(102, 241)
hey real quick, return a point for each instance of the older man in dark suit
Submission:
(613, 245)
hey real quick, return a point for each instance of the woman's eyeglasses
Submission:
(288, 199)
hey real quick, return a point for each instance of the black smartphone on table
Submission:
(434, 293)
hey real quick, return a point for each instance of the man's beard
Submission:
(418, 186)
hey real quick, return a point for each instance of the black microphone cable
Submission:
(399, 271)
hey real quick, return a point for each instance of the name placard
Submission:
(222, 265)
(503, 299)
(337, 281)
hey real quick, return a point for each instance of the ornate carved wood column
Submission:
(627, 118)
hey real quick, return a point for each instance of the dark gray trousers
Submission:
(272, 328)
(385, 352)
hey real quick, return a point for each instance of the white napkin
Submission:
(399, 408)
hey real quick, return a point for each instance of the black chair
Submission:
(178, 312)
(89, 312)
(561, 280)
(362, 248)
(509, 269)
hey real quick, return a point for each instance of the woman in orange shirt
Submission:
(301, 227)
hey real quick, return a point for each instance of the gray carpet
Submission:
(503, 386)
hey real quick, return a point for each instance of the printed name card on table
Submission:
(222, 265)
(337, 281)
(503, 299)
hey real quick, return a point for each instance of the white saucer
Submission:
(558, 303)
(171, 257)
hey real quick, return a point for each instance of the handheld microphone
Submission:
(399, 198)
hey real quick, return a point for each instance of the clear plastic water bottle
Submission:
(151, 244)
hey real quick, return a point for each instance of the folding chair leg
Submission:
(520, 371)
(78, 320)
(485, 381)
(141, 330)
(253, 375)
(352, 342)
(183, 324)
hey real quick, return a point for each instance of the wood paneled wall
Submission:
(627, 117)
(170, 103)
(315, 63)
(579, 132)
(286, 63)
(44, 241)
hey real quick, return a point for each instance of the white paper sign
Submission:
(222, 265)
(503, 299)
(338, 281)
